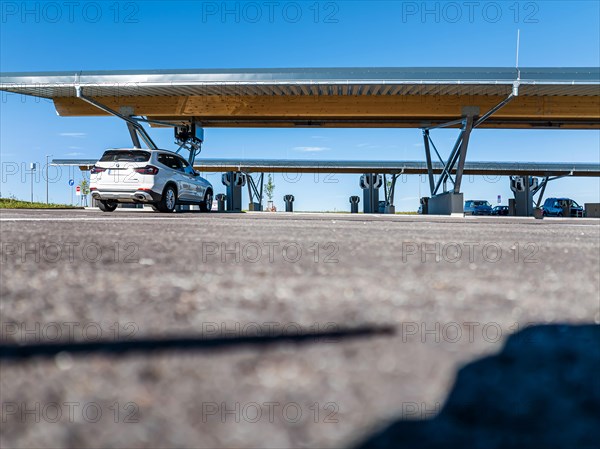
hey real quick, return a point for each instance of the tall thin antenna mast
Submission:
(517, 63)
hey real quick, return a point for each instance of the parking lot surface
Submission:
(451, 289)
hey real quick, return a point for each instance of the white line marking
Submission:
(96, 219)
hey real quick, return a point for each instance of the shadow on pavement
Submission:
(15, 352)
(541, 391)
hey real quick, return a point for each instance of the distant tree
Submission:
(85, 187)
(270, 188)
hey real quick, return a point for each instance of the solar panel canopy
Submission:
(328, 97)
(387, 167)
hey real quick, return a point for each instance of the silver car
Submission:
(157, 177)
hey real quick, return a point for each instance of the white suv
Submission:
(157, 177)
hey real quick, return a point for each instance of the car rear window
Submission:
(125, 156)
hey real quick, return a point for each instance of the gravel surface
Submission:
(452, 288)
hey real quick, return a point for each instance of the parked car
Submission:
(556, 207)
(500, 210)
(160, 178)
(478, 207)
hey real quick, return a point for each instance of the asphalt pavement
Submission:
(336, 324)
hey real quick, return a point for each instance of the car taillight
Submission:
(147, 170)
(96, 170)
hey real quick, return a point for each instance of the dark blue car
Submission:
(560, 207)
(500, 210)
(478, 207)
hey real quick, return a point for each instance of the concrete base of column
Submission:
(447, 203)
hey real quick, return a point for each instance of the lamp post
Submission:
(32, 168)
(47, 156)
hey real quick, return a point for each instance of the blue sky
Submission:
(47, 36)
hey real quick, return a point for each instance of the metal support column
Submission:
(428, 158)
(255, 192)
(448, 202)
(462, 155)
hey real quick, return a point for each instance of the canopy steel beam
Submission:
(541, 196)
(389, 191)
(496, 108)
(446, 125)
(542, 187)
(448, 166)
(134, 136)
(133, 125)
(185, 135)
(440, 159)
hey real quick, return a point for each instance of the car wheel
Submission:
(559, 214)
(206, 205)
(168, 201)
(107, 206)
